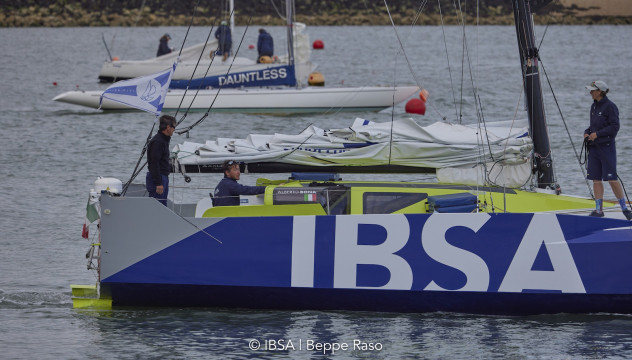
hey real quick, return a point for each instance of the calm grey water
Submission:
(51, 153)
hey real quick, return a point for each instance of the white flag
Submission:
(146, 93)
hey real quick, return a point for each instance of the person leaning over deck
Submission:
(265, 44)
(164, 48)
(157, 179)
(602, 153)
(228, 189)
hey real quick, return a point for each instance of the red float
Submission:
(251, 46)
(416, 106)
(318, 44)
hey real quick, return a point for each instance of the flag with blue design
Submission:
(145, 93)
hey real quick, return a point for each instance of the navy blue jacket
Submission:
(158, 157)
(228, 190)
(265, 44)
(222, 34)
(163, 48)
(604, 120)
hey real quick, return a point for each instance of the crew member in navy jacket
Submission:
(228, 189)
(157, 179)
(164, 48)
(224, 39)
(602, 153)
(265, 44)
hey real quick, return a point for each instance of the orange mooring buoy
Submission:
(416, 106)
(318, 44)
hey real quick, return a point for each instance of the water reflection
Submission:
(199, 333)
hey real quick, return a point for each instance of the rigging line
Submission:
(189, 28)
(477, 100)
(140, 11)
(550, 17)
(447, 55)
(578, 156)
(406, 57)
(277, 10)
(193, 75)
(201, 82)
(420, 9)
(142, 153)
(190, 127)
(459, 15)
(198, 228)
(390, 143)
(478, 103)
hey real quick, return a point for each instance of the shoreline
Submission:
(42, 17)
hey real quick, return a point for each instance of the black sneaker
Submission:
(628, 214)
(596, 213)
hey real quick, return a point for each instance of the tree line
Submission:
(258, 7)
(55, 13)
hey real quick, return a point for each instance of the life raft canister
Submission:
(316, 79)
(265, 59)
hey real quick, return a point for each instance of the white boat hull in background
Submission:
(263, 100)
(195, 62)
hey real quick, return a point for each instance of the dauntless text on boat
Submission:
(270, 74)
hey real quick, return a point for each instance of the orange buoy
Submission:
(251, 46)
(416, 106)
(116, 58)
(316, 79)
(423, 95)
(318, 44)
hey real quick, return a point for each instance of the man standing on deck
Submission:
(224, 39)
(228, 189)
(157, 179)
(602, 153)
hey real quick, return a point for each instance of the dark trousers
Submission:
(151, 188)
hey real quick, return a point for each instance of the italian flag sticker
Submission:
(310, 197)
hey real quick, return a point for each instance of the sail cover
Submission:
(365, 143)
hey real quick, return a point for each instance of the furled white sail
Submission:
(364, 143)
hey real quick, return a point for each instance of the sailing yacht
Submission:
(485, 245)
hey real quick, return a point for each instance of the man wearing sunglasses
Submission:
(228, 189)
(602, 153)
(157, 179)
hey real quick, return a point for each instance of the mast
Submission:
(289, 17)
(529, 57)
(232, 16)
